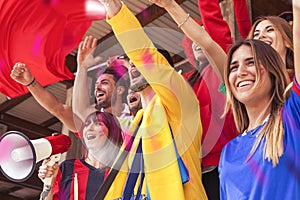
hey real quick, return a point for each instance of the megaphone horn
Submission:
(19, 154)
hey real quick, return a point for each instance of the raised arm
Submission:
(215, 54)
(296, 34)
(46, 99)
(85, 59)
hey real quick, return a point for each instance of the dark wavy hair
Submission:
(112, 124)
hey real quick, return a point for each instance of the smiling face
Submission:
(268, 33)
(134, 101)
(104, 88)
(244, 83)
(95, 134)
(198, 53)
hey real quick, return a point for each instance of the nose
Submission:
(261, 35)
(242, 71)
(90, 127)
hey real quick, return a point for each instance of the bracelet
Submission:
(29, 84)
(185, 20)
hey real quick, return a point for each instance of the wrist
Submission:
(171, 6)
(31, 83)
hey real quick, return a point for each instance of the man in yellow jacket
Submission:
(169, 108)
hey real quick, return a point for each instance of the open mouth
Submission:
(244, 83)
(91, 137)
(132, 99)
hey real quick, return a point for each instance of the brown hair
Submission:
(112, 124)
(273, 130)
(284, 28)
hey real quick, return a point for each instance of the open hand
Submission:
(85, 57)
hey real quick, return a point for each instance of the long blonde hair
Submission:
(273, 130)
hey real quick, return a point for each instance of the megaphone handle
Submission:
(53, 159)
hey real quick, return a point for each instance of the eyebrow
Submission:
(247, 59)
(269, 26)
(102, 80)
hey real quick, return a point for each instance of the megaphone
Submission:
(19, 154)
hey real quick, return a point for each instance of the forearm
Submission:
(80, 100)
(46, 194)
(195, 32)
(47, 100)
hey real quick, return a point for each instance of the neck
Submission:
(146, 96)
(116, 109)
(257, 115)
(94, 162)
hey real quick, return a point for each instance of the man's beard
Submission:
(106, 103)
(138, 83)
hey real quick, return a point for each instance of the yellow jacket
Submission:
(174, 104)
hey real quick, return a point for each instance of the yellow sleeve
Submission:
(175, 93)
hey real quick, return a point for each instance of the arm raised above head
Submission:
(85, 59)
(170, 86)
(215, 54)
(46, 99)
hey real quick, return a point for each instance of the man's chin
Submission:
(138, 88)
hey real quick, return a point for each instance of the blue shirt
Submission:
(256, 178)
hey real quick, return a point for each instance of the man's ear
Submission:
(120, 90)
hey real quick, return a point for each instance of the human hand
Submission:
(46, 171)
(85, 57)
(21, 74)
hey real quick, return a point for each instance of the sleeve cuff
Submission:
(296, 86)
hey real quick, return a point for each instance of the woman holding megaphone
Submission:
(81, 178)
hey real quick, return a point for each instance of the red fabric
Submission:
(242, 17)
(40, 33)
(217, 27)
(214, 24)
(212, 102)
(296, 87)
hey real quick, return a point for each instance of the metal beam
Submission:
(9, 104)
(32, 130)
(33, 182)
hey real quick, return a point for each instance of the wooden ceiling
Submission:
(33, 128)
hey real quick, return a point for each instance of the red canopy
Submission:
(41, 33)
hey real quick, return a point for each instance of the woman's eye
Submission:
(87, 124)
(233, 68)
(250, 63)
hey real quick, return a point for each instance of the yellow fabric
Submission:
(174, 104)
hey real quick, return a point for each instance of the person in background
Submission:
(110, 89)
(276, 32)
(80, 178)
(217, 131)
(21, 73)
(134, 101)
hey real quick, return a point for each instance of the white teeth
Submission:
(90, 137)
(244, 83)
